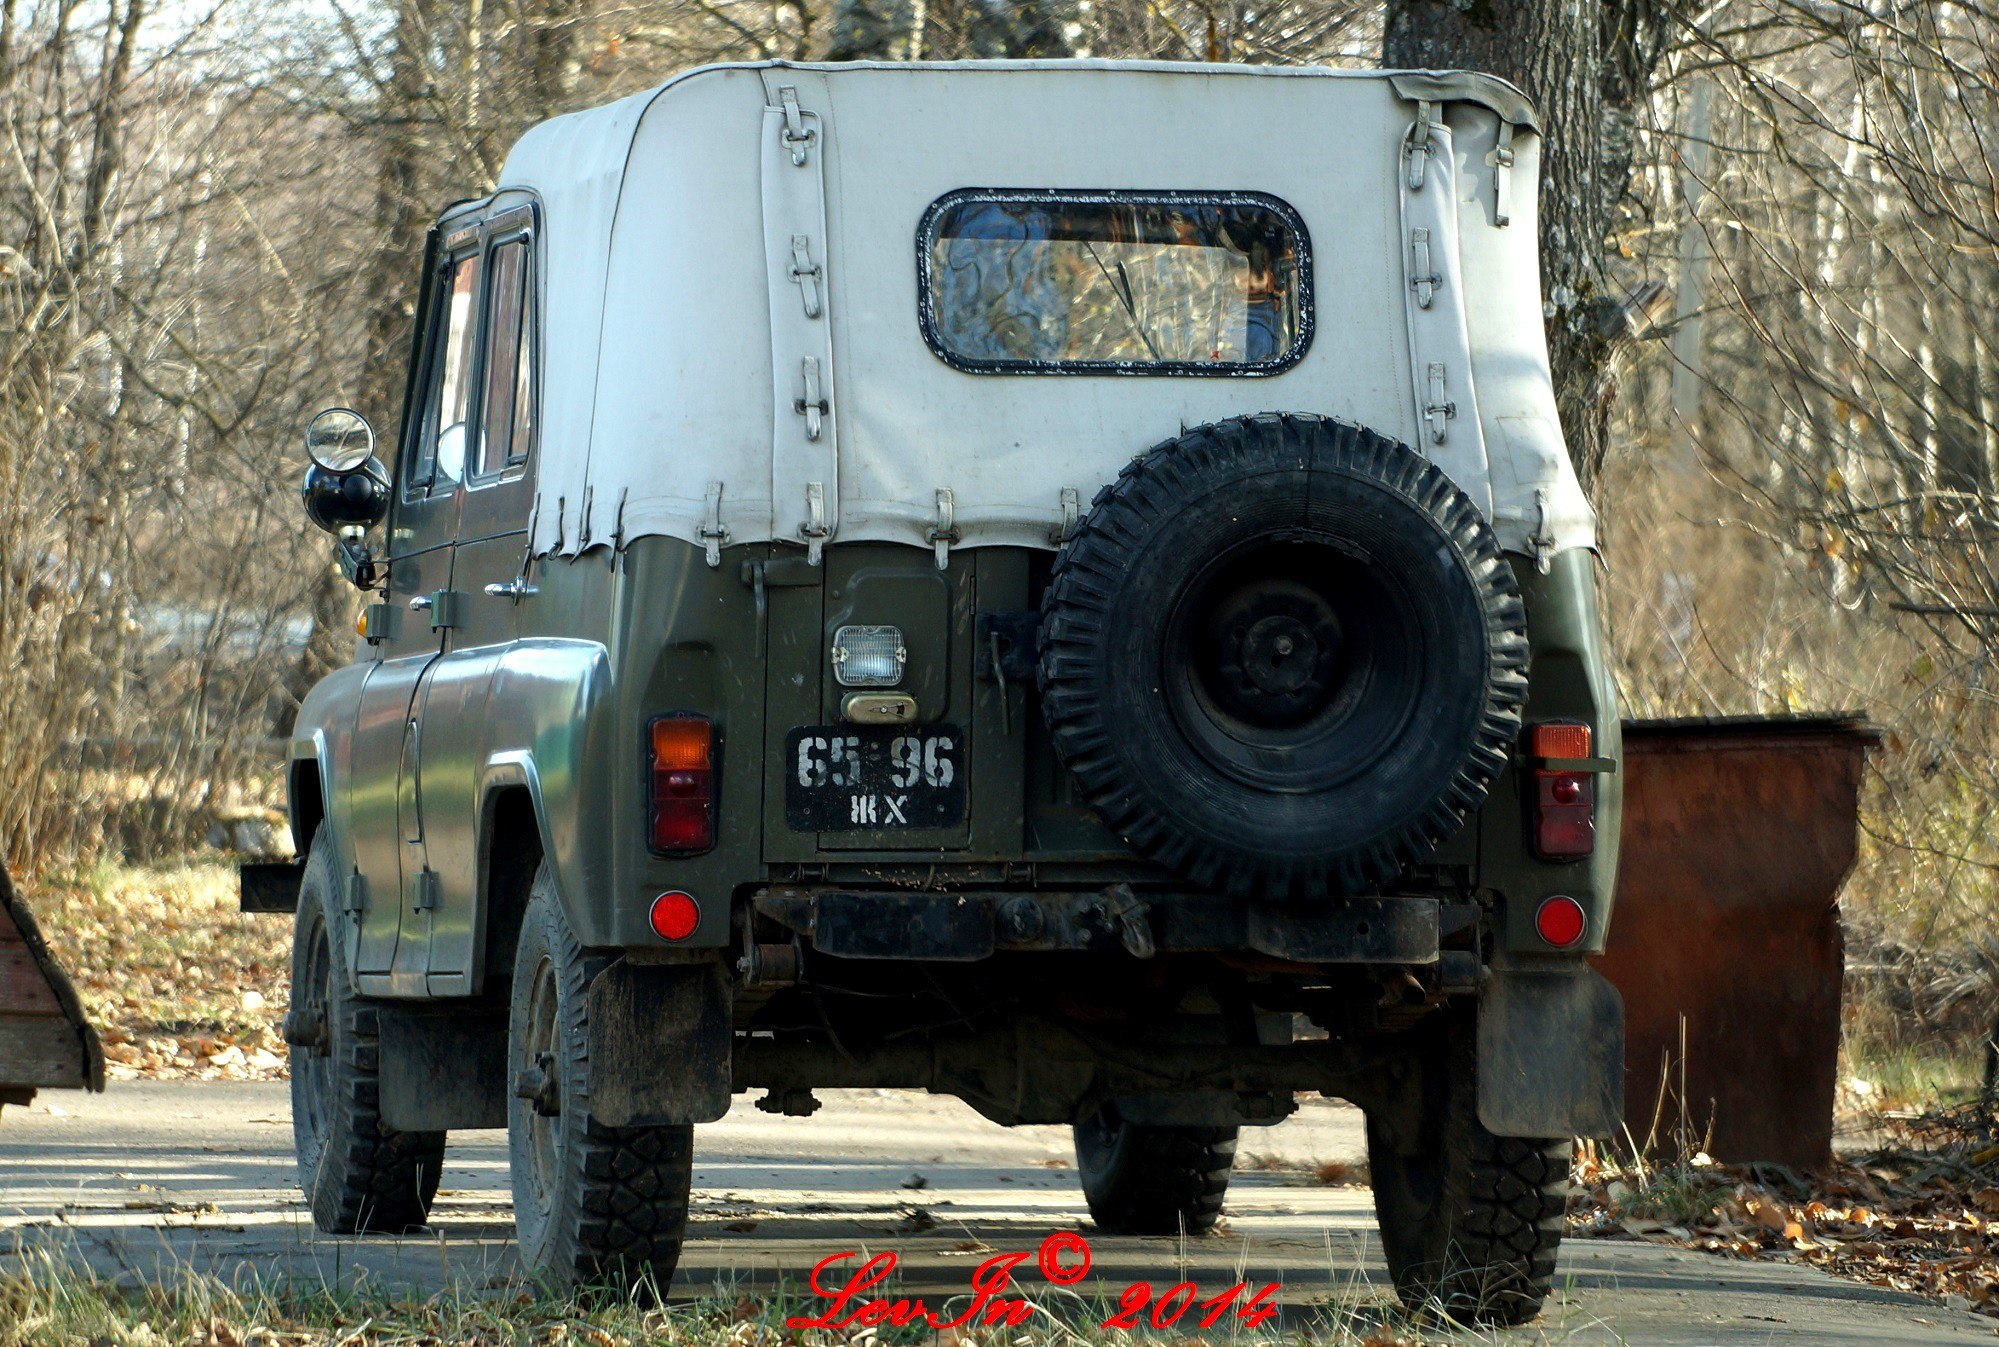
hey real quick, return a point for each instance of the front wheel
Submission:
(593, 1205)
(1470, 1222)
(1151, 1180)
(358, 1175)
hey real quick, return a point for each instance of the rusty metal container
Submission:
(46, 1041)
(1725, 941)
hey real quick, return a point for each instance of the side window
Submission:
(440, 447)
(506, 430)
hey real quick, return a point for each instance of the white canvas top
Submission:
(677, 338)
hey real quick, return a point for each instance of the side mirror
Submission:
(346, 490)
(339, 439)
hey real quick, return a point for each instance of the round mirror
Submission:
(339, 439)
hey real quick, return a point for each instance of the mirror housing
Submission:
(355, 500)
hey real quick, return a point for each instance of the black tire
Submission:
(1283, 655)
(593, 1205)
(1470, 1222)
(1145, 1180)
(358, 1176)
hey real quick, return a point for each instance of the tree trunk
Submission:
(391, 289)
(1588, 68)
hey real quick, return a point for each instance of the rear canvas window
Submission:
(1050, 282)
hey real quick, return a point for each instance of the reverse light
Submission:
(868, 657)
(674, 915)
(1561, 921)
(1562, 803)
(682, 804)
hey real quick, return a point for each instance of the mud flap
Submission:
(659, 1043)
(443, 1066)
(1550, 1054)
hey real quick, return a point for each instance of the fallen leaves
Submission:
(1914, 1221)
(180, 985)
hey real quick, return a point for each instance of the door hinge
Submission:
(797, 135)
(1423, 276)
(442, 606)
(1439, 409)
(354, 894)
(377, 623)
(425, 897)
(813, 405)
(807, 273)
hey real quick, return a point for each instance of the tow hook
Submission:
(305, 1027)
(537, 1085)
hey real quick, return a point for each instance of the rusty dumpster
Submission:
(1725, 940)
(46, 1041)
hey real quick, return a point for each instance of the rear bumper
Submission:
(957, 927)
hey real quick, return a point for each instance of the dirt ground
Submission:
(158, 1175)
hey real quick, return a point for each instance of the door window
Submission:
(440, 449)
(507, 427)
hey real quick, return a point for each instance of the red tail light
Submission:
(683, 784)
(1562, 807)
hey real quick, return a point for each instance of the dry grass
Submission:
(46, 1302)
(180, 984)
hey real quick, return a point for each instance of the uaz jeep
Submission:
(1052, 583)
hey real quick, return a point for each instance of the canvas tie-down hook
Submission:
(1501, 160)
(946, 531)
(814, 529)
(713, 535)
(798, 136)
(807, 273)
(1418, 148)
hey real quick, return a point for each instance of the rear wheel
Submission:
(358, 1175)
(593, 1205)
(1470, 1222)
(1148, 1180)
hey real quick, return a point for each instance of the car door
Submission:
(490, 572)
(417, 608)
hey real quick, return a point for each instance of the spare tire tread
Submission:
(1080, 611)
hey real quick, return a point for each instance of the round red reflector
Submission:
(675, 915)
(1561, 921)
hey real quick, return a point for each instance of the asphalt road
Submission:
(153, 1176)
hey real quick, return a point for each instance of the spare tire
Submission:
(1284, 656)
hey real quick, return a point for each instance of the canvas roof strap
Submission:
(805, 431)
(1439, 341)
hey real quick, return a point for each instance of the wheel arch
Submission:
(306, 790)
(513, 842)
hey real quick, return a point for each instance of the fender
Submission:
(549, 729)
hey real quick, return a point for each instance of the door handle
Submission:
(511, 589)
(421, 602)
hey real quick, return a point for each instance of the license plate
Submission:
(839, 778)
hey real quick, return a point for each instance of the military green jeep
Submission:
(1121, 652)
